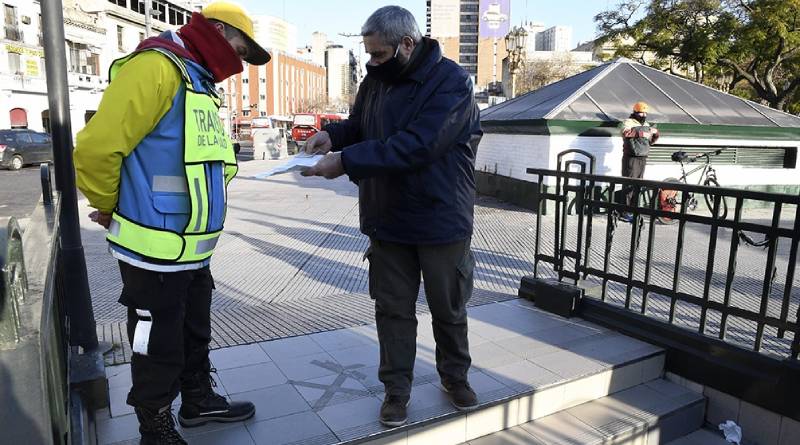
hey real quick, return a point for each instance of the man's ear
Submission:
(408, 43)
(220, 27)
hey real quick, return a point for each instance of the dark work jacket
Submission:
(410, 146)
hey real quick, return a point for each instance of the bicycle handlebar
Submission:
(693, 158)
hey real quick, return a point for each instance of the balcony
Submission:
(13, 33)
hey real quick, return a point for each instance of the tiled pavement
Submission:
(322, 388)
(291, 263)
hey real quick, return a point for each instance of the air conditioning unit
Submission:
(26, 19)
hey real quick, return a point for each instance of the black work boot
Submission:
(393, 410)
(158, 427)
(461, 395)
(200, 404)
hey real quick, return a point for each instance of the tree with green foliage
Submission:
(746, 47)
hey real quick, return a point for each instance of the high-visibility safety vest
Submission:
(206, 144)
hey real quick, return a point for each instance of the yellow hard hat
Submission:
(235, 15)
(640, 107)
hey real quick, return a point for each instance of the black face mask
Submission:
(640, 117)
(388, 71)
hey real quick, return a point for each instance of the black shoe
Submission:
(461, 396)
(393, 410)
(200, 404)
(158, 427)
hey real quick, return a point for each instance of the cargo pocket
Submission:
(368, 257)
(466, 272)
(174, 209)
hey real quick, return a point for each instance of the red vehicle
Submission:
(306, 125)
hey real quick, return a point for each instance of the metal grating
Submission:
(759, 157)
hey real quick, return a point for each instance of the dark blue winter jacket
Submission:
(410, 146)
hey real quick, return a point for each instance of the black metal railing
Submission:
(573, 258)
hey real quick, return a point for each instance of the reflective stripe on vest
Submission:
(206, 142)
(159, 244)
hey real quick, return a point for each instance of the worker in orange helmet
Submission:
(637, 137)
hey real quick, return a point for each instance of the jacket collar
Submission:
(431, 56)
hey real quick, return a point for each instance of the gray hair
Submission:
(391, 24)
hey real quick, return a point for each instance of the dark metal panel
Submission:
(536, 104)
(617, 92)
(707, 105)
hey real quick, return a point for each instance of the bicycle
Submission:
(669, 200)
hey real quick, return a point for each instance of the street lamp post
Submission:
(516, 47)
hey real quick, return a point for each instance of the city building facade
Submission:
(275, 33)
(555, 38)
(288, 84)
(472, 33)
(342, 78)
(96, 33)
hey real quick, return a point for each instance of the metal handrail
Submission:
(646, 183)
(587, 204)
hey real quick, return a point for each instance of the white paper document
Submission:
(298, 162)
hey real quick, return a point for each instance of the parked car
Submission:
(20, 147)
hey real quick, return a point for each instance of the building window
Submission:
(41, 35)
(469, 39)
(469, 49)
(14, 66)
(179, 19)
(81, 60)
(120, 34)
(245, 80)
(469, 8)
(162, 9)
(136, 6)
(262, 80)
(468, 59)
(172, 17)
(123, 3)
(245, 112)
(11, 27)
(263, 97)
(469, 28)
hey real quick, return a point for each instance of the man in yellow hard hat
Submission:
(637, 136)
(155, 161)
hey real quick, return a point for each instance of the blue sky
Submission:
(336, 16)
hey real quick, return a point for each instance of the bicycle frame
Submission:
(706, 167)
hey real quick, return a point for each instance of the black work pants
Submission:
(177, 306)
(633, 167)
(394, 280)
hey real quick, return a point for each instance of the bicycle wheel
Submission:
(668, 202)
(723, 205)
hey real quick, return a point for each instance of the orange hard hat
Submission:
(640, 107)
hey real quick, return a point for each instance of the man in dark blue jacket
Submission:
(410, 144)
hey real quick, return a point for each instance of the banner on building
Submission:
(495, 18)
(445, 18)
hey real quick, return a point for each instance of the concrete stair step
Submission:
(652, 413)
(524, 405)
(701, 437)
